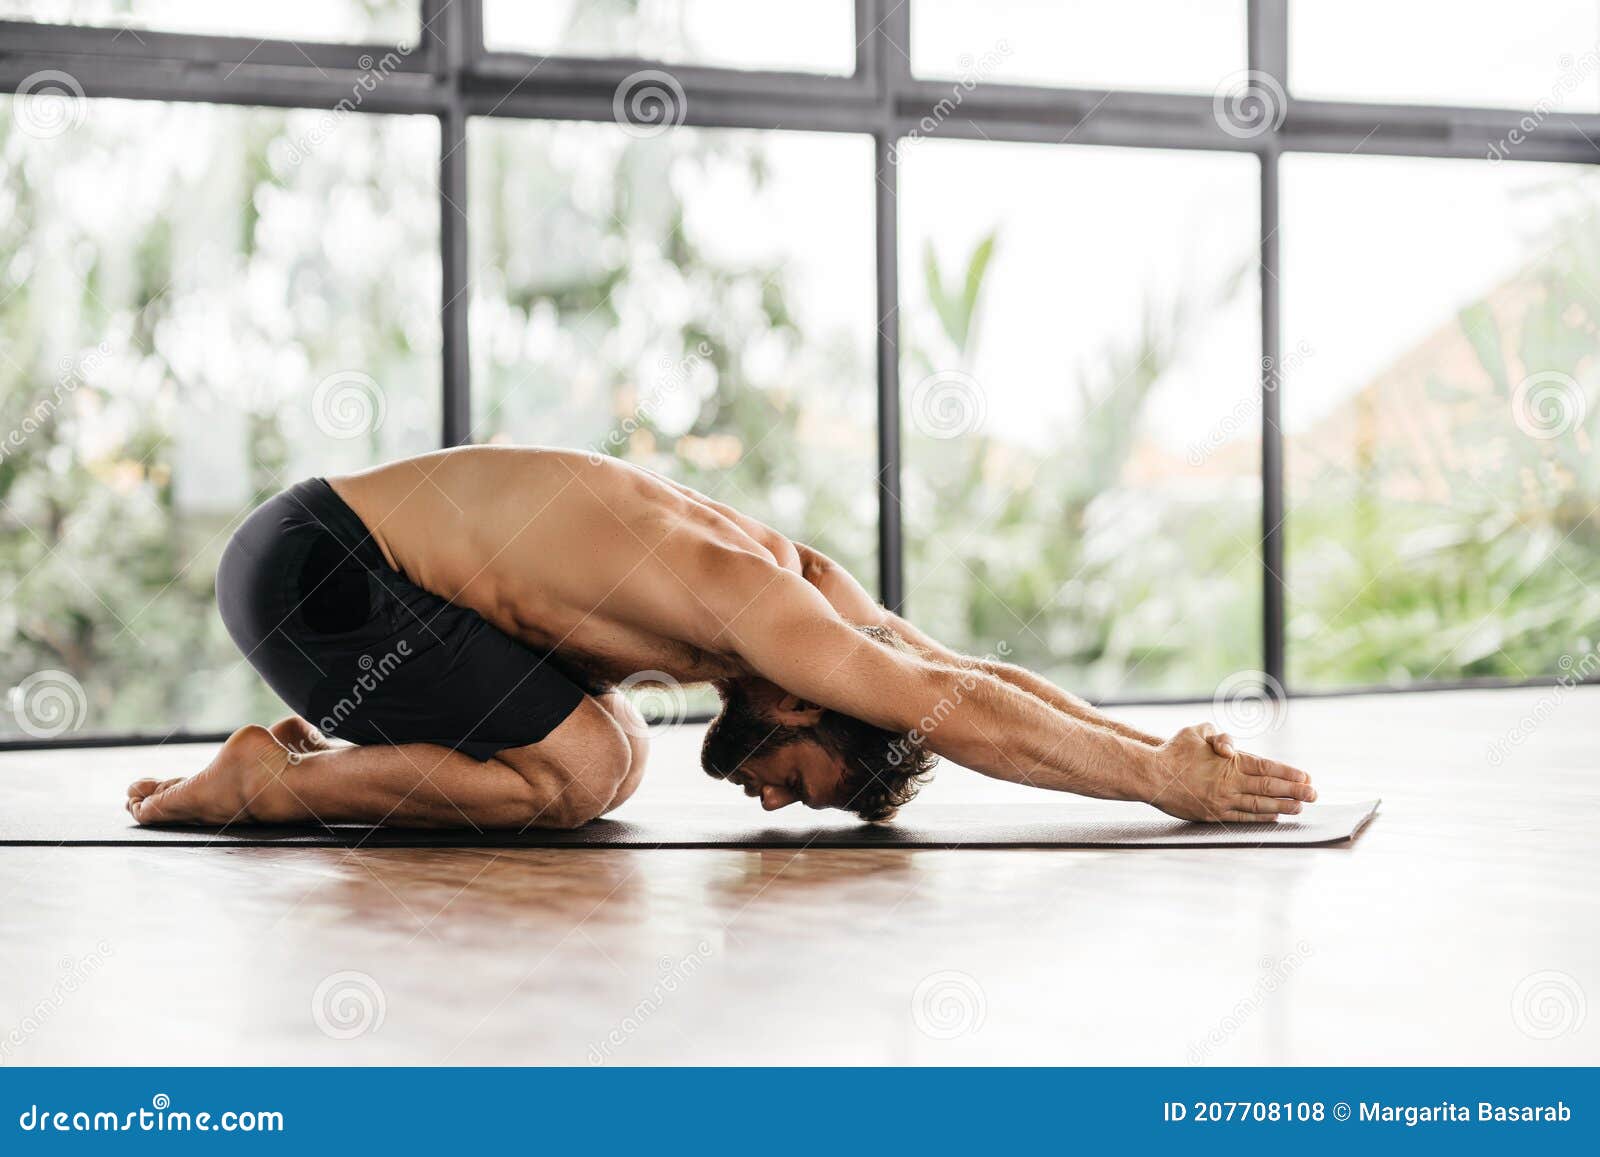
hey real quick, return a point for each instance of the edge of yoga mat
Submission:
(945, 826)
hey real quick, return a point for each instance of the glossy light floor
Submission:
(1463, 927)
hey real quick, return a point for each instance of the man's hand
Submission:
(1202, 776)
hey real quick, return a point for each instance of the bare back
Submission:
(591, 558)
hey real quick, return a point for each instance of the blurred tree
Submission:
(1459, 539)
(1059, 556)
(174, 284)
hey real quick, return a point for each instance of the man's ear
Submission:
(793, 711)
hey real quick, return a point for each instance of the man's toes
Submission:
(140, 807)
(147, 806)
(142, 789)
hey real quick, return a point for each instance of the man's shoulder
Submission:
(714, 564)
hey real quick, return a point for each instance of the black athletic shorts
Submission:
(366, 655)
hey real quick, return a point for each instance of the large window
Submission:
(699, 302)
(1160, 45)
(817, 36)
(1536, 53)
(1135, 342)
(1081, 429)
(198, 306)
(1441, 423)
(353, 20)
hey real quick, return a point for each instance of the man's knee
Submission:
(637, 731)
(574, 771)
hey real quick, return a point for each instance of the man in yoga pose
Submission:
(463, 617)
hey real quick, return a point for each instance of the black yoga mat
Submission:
(74, 823)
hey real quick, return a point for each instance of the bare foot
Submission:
(299, 736)
(222, 792)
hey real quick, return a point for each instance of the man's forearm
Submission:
(1021, 678)
(850, 599)
(1041, 688)
(1006, 732)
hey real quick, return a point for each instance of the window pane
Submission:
(1442, 478)
(1474, 52)
(698, 302)
(1081, 410)
(198, 306)
(1163, 45)
(398, 21)
(817, 36)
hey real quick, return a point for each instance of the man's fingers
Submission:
(1222, 744)
(1267, 805)
(1271, 785)
(1238, 817)
(1257, 765)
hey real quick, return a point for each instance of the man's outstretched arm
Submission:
(847, 596)
(791, 635)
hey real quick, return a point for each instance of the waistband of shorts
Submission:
(322, 505)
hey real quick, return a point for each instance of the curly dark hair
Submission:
(882, 769)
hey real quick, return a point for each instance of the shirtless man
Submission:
(462, 617)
